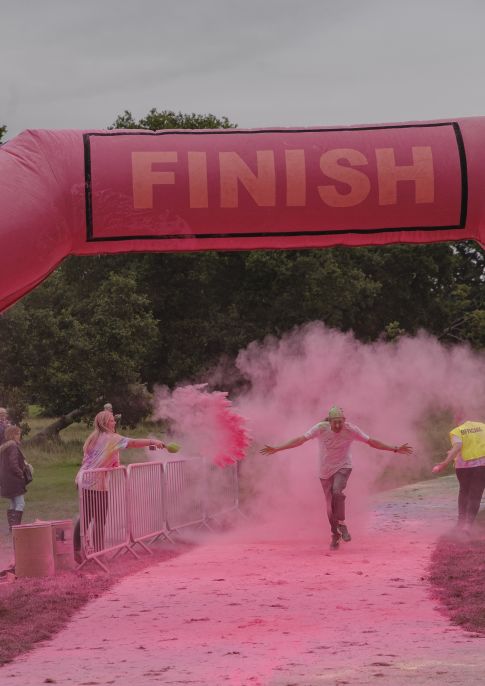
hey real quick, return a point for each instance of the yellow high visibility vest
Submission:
(472, 436)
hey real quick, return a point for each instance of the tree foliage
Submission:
(167, 119)
(106, 328)
(70, 346)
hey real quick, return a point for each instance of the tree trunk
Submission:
(51, 432)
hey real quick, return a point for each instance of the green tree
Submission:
(14, 343)
(71, 347)
(167, 119)
(439, 288)
(94, 346)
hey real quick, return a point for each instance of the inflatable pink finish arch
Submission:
(85, 192)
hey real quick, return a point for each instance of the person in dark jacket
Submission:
(12, 474)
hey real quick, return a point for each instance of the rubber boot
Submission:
(18, 514)
(10, 519)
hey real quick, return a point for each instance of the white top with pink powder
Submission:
(334, 447)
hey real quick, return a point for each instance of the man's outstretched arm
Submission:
(404, 449)
(293, 443)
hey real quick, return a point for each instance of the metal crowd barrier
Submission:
(124, 507)
(222, 494)
(146, 503)
(184, 493)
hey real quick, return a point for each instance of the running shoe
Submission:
(335, 541)
(344, 533)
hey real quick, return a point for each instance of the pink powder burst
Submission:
(204, 422)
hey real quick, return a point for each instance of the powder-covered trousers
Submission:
(335, 497)
(472, 485)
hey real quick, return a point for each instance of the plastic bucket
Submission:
(34, 555)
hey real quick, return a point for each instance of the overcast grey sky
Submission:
(262, 63)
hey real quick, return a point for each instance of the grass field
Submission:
(456, 575)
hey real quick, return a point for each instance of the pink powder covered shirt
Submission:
(103, 454)
(334, 447)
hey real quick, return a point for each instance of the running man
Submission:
(335, 436)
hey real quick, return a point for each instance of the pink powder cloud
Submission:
(390, 390)
(204, 422)
(387, 389)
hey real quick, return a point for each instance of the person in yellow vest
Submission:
(468, 453)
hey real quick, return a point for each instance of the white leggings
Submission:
(17, 503)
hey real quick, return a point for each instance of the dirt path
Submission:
(250, 612)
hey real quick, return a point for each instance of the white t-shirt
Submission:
(334, 447)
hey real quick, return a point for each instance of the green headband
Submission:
(335, 413)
